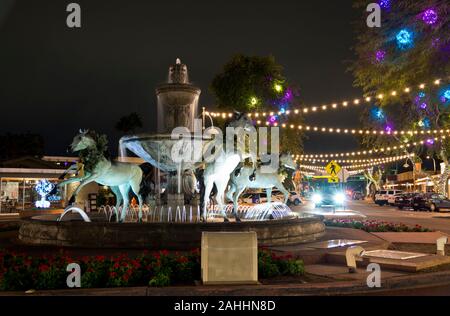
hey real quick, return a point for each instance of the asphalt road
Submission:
(368, 210)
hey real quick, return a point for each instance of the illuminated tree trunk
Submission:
(443, 178)
(373, 178)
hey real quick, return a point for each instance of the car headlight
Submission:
(339, 198)
(317, 198)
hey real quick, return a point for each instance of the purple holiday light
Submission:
(388, 128)
(430, 141)
(423, 106)
(288, 95)
(385, 4)
(436, 42)
(429, 16)
(380, 55)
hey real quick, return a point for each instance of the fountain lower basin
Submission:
(45, 230)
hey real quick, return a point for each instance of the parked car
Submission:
(384, 197)
(259, 197)
(294, 197)
(391, 198)
(405, 200)
(432, 202)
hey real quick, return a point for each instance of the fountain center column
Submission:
(177, 106)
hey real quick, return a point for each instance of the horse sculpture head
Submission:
(287, 161)
(82, 141)
(241, 120)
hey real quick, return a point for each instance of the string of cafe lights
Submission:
(429, 141)
(322, 170)
(360, 131)
(332, 106)
(350, 161)
(362, 165)
(316, 169)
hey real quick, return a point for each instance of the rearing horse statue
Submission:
(239, 183)
(218, 172)
(119, 176)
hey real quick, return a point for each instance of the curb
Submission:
(340, 288)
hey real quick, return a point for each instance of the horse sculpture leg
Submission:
(135, 186)
(283, 190)
(221, 186)
(85, 181)
(124, 190)
(236, 196)
(208, 188)
(231, 191)
(118, 195)
(269, 195)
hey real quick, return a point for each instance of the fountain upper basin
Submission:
(159, 149)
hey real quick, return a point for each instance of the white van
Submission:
(384, 197)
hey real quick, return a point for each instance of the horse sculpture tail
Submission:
(147, 181)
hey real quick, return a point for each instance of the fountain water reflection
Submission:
(191, 214)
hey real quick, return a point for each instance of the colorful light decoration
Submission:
(446, 94)
(278, 87)
(424, 123)
(380, 55)
(388, 129)
(43, 188)
(436, 42)
(404, 38)
(385, 4)
(253, 101)
(377, 113)
(430, 141)
(430, 16)
(288, 95)
(423, 105)
(273, 119)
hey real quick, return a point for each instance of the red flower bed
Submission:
(163, 268)
(23, 272)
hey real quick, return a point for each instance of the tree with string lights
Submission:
(257, 84)
(410, 50)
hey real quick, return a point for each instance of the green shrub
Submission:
(161, 279)
(270, 265)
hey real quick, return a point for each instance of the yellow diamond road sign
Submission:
(333, 168)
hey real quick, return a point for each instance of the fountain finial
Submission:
(178, 73)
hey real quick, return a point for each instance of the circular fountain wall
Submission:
(45, 230)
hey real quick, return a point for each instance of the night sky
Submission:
(55, 80)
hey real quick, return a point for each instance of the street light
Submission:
(406, 165)
(434, 163)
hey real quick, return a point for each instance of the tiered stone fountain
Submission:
(177, 106)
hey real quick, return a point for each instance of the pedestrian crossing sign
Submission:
(333, 169)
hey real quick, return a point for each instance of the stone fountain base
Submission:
(46, 231)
